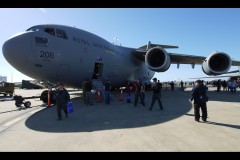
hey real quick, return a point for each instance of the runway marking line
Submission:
(19, 118)
(12, 122)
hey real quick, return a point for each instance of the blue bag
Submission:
(128, 98)
(70, 107)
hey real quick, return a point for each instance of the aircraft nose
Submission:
(7, 49)
(16, 50)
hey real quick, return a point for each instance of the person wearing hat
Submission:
(200, 98)
(137, 92)
(156, 94)
(62, 97)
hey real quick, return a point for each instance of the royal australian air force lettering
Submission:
(48, 52)
(99, 45)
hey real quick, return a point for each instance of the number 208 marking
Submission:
(46, 54)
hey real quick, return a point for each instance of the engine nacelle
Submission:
(217, 63)
(157, 59)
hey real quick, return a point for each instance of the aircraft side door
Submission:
(98, 70)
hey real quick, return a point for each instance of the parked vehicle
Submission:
(6, 88)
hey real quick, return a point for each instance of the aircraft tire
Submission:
(27, 104)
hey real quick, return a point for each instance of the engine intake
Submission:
(157, 59)
(217, 63)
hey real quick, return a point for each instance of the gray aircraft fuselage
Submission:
(57, 53)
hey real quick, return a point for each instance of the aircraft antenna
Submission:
(116, 39)
(11, 77)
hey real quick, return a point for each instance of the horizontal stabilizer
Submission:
(235, 71)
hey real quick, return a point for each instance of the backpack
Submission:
(201, 94)
(157, 88)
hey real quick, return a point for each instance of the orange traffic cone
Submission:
(99, 95)
(121, 95)
(49, 104)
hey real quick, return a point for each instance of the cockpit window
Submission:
(50, 31)
(61, 34)
(34, 29)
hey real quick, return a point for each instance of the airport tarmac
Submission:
(121, 127)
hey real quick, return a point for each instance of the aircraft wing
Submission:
(235, 71)
(179, 58)
(191, 59)
(221, 76)
(235, 63)
(175, 58)
(186, 59)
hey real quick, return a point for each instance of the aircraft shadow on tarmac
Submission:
(118, 115)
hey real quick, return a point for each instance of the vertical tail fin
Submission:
(149, 45)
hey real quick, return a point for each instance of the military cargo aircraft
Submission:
(58, 53)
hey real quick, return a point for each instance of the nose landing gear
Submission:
(19, 100)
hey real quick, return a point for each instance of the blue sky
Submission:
(195, 31)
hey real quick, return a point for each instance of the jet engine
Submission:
(157, 59)
(217, 63)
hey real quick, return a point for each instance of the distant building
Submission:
(3, 78)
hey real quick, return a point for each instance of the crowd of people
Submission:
(135, 92)
(229, 86)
